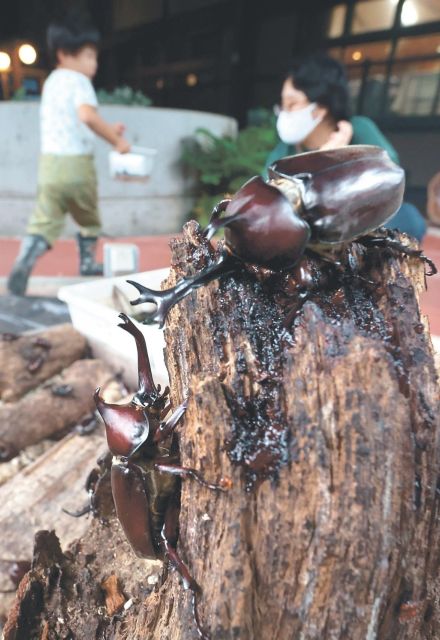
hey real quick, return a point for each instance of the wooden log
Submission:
(28, 360)
(328, 428)
(42, 413)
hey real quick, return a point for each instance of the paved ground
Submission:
(59, 266)
(18, 314)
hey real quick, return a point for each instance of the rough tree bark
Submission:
(328, 428)
(340, 541)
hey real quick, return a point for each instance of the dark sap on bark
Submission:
(349, 295)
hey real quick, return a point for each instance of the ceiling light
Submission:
(27, 54)
(5, 61)
(409, 15)
(191, 79)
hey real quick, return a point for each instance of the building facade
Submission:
(229, 56)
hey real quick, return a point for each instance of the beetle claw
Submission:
(163, 300)
(146, 294)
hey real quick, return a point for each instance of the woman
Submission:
(315, 114)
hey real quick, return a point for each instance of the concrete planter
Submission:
(157, 206)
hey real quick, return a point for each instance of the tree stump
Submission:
(328, 427)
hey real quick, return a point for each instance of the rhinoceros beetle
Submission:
(313, 202)
(145, 471)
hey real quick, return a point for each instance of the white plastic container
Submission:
(93, 314)
(136, 165)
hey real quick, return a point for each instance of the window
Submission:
(428, 45)
(336, 21)
(131, 14)
(373, 15)
(415, 86)
(371, 51)
(367, 94)
(419, 12)
(389, 74)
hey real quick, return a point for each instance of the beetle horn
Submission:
(164, 300)
(216, 222)
(127, 426)
(146, 382)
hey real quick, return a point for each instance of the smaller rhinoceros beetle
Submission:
(145, 465)
(313, 202)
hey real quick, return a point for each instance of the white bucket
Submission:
(136, 165)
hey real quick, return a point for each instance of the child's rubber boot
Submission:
(32, 247)
(87, 264)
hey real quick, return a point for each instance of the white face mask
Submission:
(295, 126)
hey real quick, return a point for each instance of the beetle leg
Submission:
(186, 472)
(398, 247)
(214, 222)
(325, 254)
(293, 311)
(168, 536)
(166, 428)
(164, 300)
(81, 512)
(165, 411)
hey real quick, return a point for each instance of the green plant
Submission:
(223, 164)
(20, 94)
(123, 95)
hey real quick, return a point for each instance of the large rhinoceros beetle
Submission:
(145, 468)
(312, 202)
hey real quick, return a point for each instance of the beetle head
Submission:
(263, 227)
(127, 426)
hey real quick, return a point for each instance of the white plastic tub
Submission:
(93, 314)
(133, 166)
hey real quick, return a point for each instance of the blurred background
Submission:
(197, 80)
(228, 57)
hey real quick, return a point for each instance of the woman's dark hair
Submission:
(70, 34)
(324, 81)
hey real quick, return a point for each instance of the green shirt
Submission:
(364, 132)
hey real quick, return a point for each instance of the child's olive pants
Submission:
(66, 184)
